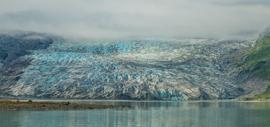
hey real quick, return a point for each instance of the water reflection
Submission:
(148, 114)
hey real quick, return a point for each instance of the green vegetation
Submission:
(265, 95)
(257, 64)
(257, 61)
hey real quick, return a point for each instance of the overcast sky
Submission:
(137, 18)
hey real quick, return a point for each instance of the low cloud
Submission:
(127, 18)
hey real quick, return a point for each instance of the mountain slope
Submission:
(256, 66)
(12, 49)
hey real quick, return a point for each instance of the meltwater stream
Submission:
(148, 114)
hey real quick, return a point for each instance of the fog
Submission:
(102, 19)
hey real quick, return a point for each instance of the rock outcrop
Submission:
(13, 48)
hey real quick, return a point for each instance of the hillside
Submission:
(256, 65)
(13, 48)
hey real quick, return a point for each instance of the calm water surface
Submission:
(148, 114)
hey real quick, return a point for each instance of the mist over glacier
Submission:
(105, 19)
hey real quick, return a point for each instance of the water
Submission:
(148, 114)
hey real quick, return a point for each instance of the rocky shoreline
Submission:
(14, 105)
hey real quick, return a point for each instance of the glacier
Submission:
(147, 69)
